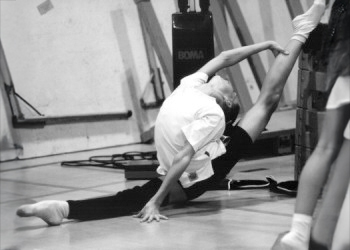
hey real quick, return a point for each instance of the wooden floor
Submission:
(245, 219)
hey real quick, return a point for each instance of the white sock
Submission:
(52, 212)
(307, 22)
(299, 236)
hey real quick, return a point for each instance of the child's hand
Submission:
(276, 48)
(149, 213)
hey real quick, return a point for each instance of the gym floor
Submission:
(236, 219)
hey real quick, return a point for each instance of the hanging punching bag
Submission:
(193, 42)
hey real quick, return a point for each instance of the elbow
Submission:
(224, 56)
(274, 101)
(273, 96)
(183, 159)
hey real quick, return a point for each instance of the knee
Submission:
(324, 155)
(272, 103)
(269, 104)
(327, 148)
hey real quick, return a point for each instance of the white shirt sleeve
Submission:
(208, 126)
(194, 79)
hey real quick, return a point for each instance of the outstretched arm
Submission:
(181, 161)
(231, 57)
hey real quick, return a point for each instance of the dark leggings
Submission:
(132, 200)
(122, 203)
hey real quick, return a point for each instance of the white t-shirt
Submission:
(340, 95)
(189, 114)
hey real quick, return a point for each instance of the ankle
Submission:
(301, 226)
(65, 208)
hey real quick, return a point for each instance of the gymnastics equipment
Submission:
(193, 41)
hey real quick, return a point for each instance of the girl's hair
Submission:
(337, 44)
(231, 112)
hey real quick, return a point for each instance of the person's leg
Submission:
(123, 203)
(256, 119)
(50, 211)
(341, 239)
(317, 167)
(313, 177)
(323, 230)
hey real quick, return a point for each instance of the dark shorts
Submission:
(239, 144)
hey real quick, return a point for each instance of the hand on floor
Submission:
(149, 213)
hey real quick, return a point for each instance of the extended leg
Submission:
(256, 119)
(123, 203)
(258, 116)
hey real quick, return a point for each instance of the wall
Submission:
(67, 61)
